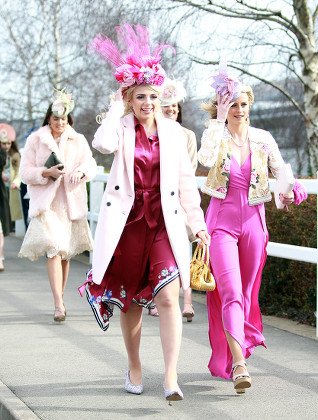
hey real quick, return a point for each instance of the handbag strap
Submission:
(201, 253)
(207, 255)
(198, 253)
(195, 253)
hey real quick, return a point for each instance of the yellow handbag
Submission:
(200, 275)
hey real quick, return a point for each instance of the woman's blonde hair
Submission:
(128, 95)
(211, 107)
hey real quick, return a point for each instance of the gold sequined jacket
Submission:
(215, 153)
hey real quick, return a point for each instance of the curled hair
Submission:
(128, 92)
(179, 117)
(211, 107)
(49, 112)
(14, 148)
(128, 95)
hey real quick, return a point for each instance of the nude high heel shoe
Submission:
(242, 380)
(189, 312)
(59, 314)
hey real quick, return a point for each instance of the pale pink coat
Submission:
(73, 150)
(177, 186)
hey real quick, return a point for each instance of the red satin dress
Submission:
(143, 261)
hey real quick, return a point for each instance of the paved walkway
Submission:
(74, 370)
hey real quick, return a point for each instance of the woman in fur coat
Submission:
(58, 198)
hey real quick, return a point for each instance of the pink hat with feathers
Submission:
(133, 62)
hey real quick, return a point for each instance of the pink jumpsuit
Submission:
(238, 252)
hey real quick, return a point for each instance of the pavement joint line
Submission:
(12, 408)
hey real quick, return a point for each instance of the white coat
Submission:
(177, 187)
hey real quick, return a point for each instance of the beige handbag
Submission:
(200, 274)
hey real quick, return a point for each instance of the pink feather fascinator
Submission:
(132, 59)
(224, 84)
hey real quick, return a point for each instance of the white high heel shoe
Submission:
(130, 387)
(173, 395)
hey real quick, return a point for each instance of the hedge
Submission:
(288, 287)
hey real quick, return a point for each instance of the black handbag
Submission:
(53, 160)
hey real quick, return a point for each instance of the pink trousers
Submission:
(238, 253)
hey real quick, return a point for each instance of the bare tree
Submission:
(263, 42)
(22, 55)
(43, 45)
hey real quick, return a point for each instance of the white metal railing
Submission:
(274, 249)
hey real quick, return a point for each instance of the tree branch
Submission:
(253, 13)
(261, 79)
(14, 39)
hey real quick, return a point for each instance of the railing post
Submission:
(277, 250)
(96, 191)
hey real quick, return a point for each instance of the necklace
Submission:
(235, 141)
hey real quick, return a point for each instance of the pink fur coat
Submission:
(74, 152)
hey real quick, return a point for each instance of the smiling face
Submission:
(171, 111)
(145, 103)
(238, 113)
(57, 124)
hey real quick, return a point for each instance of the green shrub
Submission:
(289, 287)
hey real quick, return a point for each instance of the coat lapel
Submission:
(69, 134)
(129, 147)
(47, 139)
(165, 149)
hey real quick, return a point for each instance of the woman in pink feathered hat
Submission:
(141, 252)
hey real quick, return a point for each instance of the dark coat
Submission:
(4, 199)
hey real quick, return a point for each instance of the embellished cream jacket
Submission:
(215, 153)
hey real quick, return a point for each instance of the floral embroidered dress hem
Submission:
(143, 261)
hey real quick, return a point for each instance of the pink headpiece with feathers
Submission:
(134, 62)
(224, 84)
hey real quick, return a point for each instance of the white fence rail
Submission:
(274, 249)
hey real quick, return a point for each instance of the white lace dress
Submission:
(52, 233)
